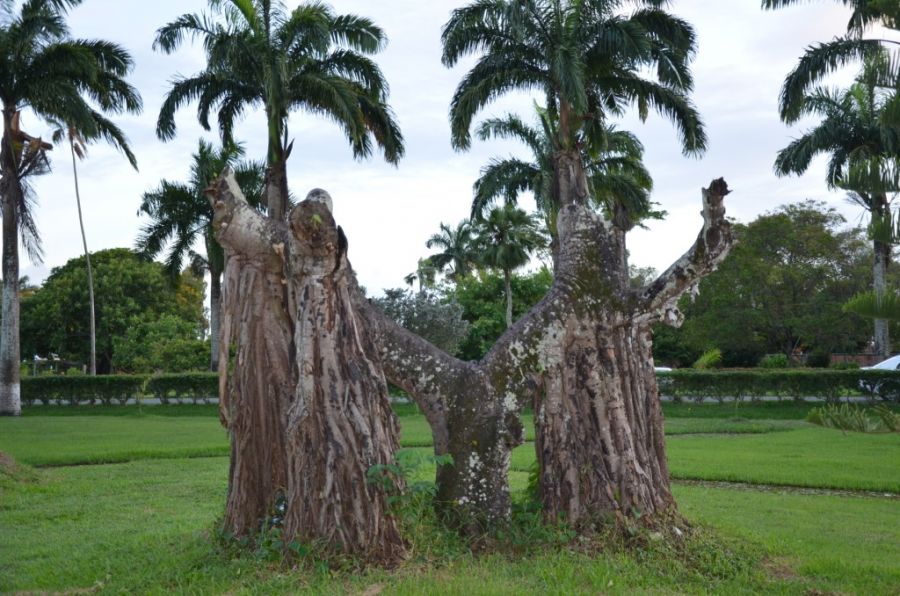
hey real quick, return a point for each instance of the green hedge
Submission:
(108, 389)
(697, 385)
(797, 384)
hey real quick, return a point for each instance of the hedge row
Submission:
(797, 384)
(109, 389)
(737, 385)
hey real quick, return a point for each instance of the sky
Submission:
(389, 212)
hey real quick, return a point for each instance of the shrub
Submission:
(774, 361)
(194, 386)
(851, 418)
(819, 359)
(84, 389)
(709, 359)
(845, 366)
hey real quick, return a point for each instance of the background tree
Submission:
(861, 148)
(505, 240)
(129, 290)
(78, 148)
(781, 289)
(180, 216)
(456, 255)
(55, 78)
(483, 301)
(309, 59)
(439, 320)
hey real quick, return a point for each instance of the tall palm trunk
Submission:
(215, 314)
(882, 259)
(507, 288)
(10, 198)
(87, 258)
(879, 271)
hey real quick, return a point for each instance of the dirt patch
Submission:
(779, 569)
(7, 464)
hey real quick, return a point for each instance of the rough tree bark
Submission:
(327, 417)
(582, 356)
(253, 399)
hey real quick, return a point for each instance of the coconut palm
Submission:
(862, 151)
(181, 216)
(55, 78)
(425, 275)
(821, 59)
(620, 184)
(309, 59)
(456, 252)
(588, 58)
(505, 239)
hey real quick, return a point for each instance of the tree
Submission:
(782, 289)
(181, 216)
(78, 148)
(482, 299)
(424, 313)
(308, 59)
(505, 240)
(620, 184)
(861, 147)
(591, 61)
(581, 356)
(59, 79)
(821, 59)
(168, 343)
(456, 250)
(129, 289)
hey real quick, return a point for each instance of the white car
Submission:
(885, 389)
(892, 363)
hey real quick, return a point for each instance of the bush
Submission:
(819, 359)
(194, 386)
(798, 384)
(84, 389)
(709, 359)
(774, 361)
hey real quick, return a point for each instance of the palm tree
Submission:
(309, 59)
(78, 148)
(505, 240)
(59, 79)
(181, 215)
(590, 61)
(425, 274)
(456, 250)
(620, 184)
(862, 150)
(824, 58)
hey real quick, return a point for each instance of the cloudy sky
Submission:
(388, 212)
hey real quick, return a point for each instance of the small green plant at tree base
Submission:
(774, 361)
(852, 418)
(709, 359)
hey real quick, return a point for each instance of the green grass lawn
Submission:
(146, 526)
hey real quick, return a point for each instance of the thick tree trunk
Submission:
(87, 258)
(341, 430)
(307, 404)
(253, 401)
(215, 315)
(10, 197)
(599, 436)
